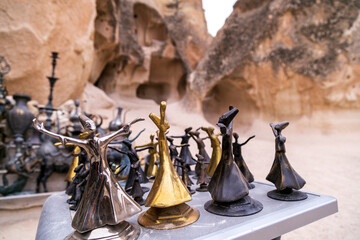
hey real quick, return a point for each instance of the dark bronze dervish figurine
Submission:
(104, 202)
(285, 178)
(185, 176)
(120, 159)
(77, 187)
(185, 153)
(239, 160)
(203, 178)
(136, 190)
(201, 147)
(175, 159)
(228, 187)
(134, 164)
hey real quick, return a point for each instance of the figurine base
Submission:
(140, 201)
(287, 195)
(123, 231)
(242, 207)
(202, 189)
(169, 218)
(145, 190)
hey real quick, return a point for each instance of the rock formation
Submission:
(272, 58)
(281, 58)
(147, 48)
(31, 30)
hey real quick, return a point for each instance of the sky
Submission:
(216, 12)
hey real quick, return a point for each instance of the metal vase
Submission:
(117, 123)
(19, 118)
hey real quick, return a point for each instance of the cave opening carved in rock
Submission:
(149, 25)
(228, 92)
(167, 81)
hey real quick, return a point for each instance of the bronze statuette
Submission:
(168, 194)
(216, 153)
(104, 202)
(239, 160)
(202, 151)
(185, 150)
(153, 157)
(203, 179)
(228, 187)
(285, 178)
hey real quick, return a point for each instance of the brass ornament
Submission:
(153, 156)
(168, 194)
(75, 162)
(169, 218)
(216, 153)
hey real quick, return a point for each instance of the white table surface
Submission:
(276, 218)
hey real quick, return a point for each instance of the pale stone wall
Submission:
(31, 30)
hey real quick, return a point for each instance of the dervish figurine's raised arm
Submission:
(118, 150)
(131, 140)
(274, 130)
(242, 144)
(107, 139)
(63, 139)
(160, 122)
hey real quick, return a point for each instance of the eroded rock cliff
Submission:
(146, 49)
(31, 30)
(272, 58)
(282, 59)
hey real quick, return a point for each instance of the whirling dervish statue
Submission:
(216, 150)
(168, 194)
(120, 159)
(239, 160)
(136, 190)
(203, 179)
(104, 202)
(134, 164)
(152, 158)
(202, 151)
(78, 153)
(77, 186)
(185, 176)
(228, 187)
(285, 178)
(175, 159)
(185, 150)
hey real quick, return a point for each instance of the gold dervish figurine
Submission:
(104, 202)
(75, 162)
(168, 194)
(216, 153)
(151, 170)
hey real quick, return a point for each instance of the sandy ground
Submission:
(324, 150)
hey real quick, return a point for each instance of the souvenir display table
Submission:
(276, 218)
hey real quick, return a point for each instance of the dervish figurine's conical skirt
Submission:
(169, 218)
(242, 207)
(124, 231)
(287, 194)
